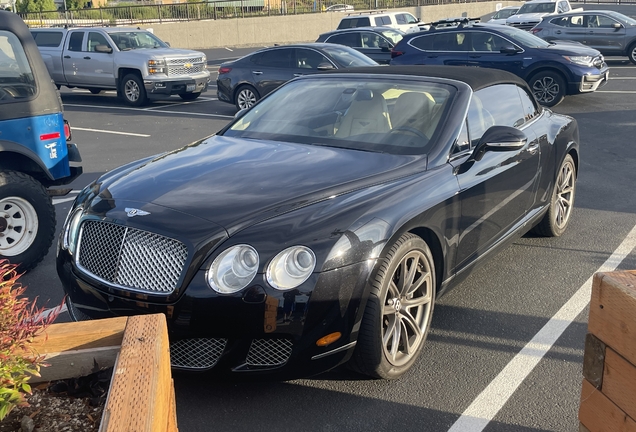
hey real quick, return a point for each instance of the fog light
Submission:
(329, 339)
(160, 85)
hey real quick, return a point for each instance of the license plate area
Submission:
(191, 87)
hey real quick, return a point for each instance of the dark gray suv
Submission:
(612, 33)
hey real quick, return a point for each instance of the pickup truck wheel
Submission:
(27, 220)
(95, 90)
(133, 90)
(189, 96)
(631, 53)
(548, 87)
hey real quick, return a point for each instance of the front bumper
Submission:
(168, 86)
(586, 79)
(591, 82)
(259, 330)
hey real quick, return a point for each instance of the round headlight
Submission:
(233, 270)
(71, 227)
(291, 267)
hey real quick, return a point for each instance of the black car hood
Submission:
(238, 182)
(571, 48)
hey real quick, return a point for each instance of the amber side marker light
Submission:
(329, 339)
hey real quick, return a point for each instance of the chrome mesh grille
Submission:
(178, 66)
(129, 257)
(269, 352)
(199, 353)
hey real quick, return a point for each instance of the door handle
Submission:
(67, 56)
(257, 72)
(87, 58)
(558, 32)
(474, 56)
(432, 56)
(533, 148)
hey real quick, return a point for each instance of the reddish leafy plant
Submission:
(20, 322)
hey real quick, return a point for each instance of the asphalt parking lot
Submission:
(477, 370)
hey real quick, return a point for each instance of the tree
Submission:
(35, 5)
(76, 4)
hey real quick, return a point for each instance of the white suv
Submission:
(398, 20)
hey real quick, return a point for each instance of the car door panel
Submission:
(602, 36)
(272, 69)
(486, 53)
(73, 58)
(99, 65)
(497, 191)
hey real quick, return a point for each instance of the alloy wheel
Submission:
(18, 225)
(246, 99)
(407, 307)
(564, 194)
(546, 89)
(132, 91)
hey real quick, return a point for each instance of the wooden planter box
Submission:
(608, 397)
(141, 395)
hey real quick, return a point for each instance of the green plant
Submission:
(20, 322)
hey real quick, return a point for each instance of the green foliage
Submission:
(35, 5)
(20, 322)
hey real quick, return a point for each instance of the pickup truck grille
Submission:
(185, 66)
(524, 25)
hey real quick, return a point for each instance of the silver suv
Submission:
(612, 33)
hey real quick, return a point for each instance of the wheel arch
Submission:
(540, 69)
(15, 157)
(434, 244)
(575, 157)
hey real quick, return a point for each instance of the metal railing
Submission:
(212, 10)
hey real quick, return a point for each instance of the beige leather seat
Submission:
(368, 113)
(413, 111)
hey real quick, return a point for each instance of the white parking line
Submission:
(621, 78)
(486, 406)
(111, 132)
(57, 201)
(199, 100)
(616, 91)
(46, 312)
(144, 110)
(229, 49)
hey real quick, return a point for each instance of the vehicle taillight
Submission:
(395, 54)
(67, 130)
(535, 30)
(224, 70)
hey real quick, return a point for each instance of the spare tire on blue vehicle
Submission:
(27, 220)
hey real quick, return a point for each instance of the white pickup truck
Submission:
(134, 62)
(531, 13)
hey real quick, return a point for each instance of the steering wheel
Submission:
(411, 130)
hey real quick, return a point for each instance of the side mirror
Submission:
(385, 47)
(499, 138)
(167, 43)
(240, 113)
(103, 49)
(617, 26)
(508, 49)
(324, 66)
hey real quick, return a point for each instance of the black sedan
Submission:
(248, 79)
(374, 42)
(320, 226)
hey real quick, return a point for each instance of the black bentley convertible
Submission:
(320, 226)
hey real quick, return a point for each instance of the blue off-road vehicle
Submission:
(35, 152)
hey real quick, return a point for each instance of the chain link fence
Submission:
(212, 10)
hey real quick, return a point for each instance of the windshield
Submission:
(393, 35)
(505, 13)
(537, 8)
(627, 20)
(348, 57)
(383, 115)
(526, 39)
(16, 77)
(126, 41)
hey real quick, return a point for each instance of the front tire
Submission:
(246, 97)
(133, 90)
(398, 313)
(559, 213)
(548, 87)
(189, 96)
(27, 220)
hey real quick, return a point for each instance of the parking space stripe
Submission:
(111, 132)
(616, 91)
(57, 201)
(143, 110)
(168, 105)
(486, 406)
